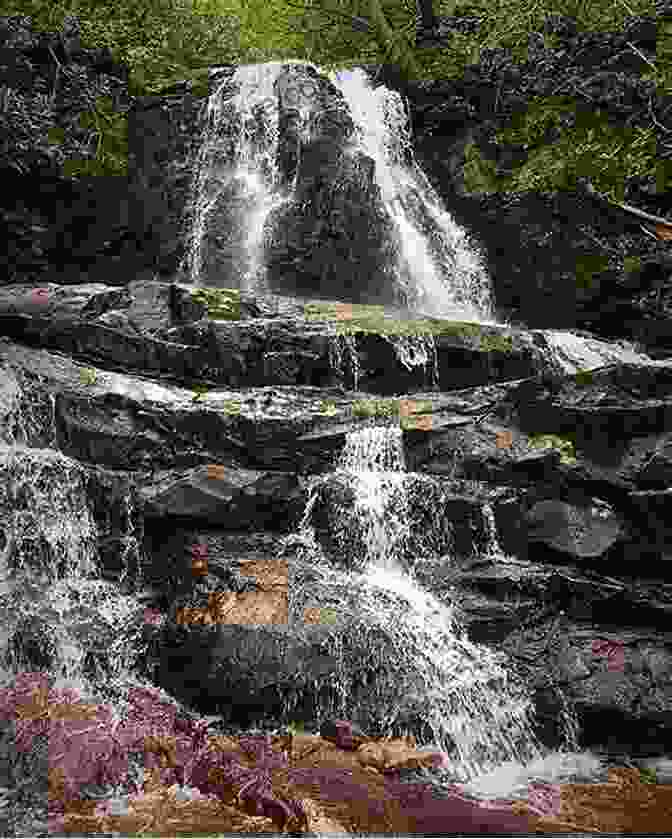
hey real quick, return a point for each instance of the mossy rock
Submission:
(367, 408)
(563, 444)
(222, 303)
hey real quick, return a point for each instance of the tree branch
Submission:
(359, 23)
(627, 207)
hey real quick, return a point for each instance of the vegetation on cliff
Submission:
(562, 138)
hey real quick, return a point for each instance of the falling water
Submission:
(438, 264)
(237, 162)
(374, 458)
(345, 345)
(439, 268)
(463, 692)
(56, 612)
(417, 351)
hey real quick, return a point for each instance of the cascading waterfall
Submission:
(56, 611)
(374, 458)
(242, 165)
(462, 691)
(439, 266)
(439, 269)
(344, 345)
(417, 351)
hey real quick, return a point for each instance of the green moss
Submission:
(497, 343)
(583, 378)
(406, 409)
(327, 408)
(231, 406)
(563, 443)
(588, 266)
(632, 264)
(328, 615)
(199, 392)
(366, 408)
(648, 776)
(222, 303)
(88, 376)
(372, 319)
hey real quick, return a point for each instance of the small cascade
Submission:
(417, 351)
(462, 692)
(237, 165)
(439, 268)
(374, 458)
(56, 612)
(340, 346)
(132, 550)
(30, 418)
(493, 548)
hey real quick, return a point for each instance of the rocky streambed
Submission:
(538, 470)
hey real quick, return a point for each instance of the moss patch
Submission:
(562, 443)
(88, 376)
(583, 378)
(409, 411)
(222, 303)
(366, 408)
(354, 318)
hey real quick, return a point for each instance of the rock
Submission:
(344, 734)
(538, 469)
(583, 532)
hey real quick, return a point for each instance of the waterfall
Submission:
(417, 351)
(237, 185)
(463, 692)
(56, 612)
(374, 459)
(438, 264)
(237, 162)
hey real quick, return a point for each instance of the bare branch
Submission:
(642, 56)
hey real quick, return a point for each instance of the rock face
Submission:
(564, 260)
(537, 504)
(540, 461)
(331, 239)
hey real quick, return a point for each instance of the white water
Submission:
(247, 168)
(462, 691)
(438, 263)
(373, 459)
(439, 268)
(50, 581)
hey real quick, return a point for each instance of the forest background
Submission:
(162, 42)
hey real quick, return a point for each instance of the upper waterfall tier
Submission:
(306, 183)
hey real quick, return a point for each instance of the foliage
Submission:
(87, 746)
(109, 128)
(163, 41)
(648, 776)
(589, 145)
